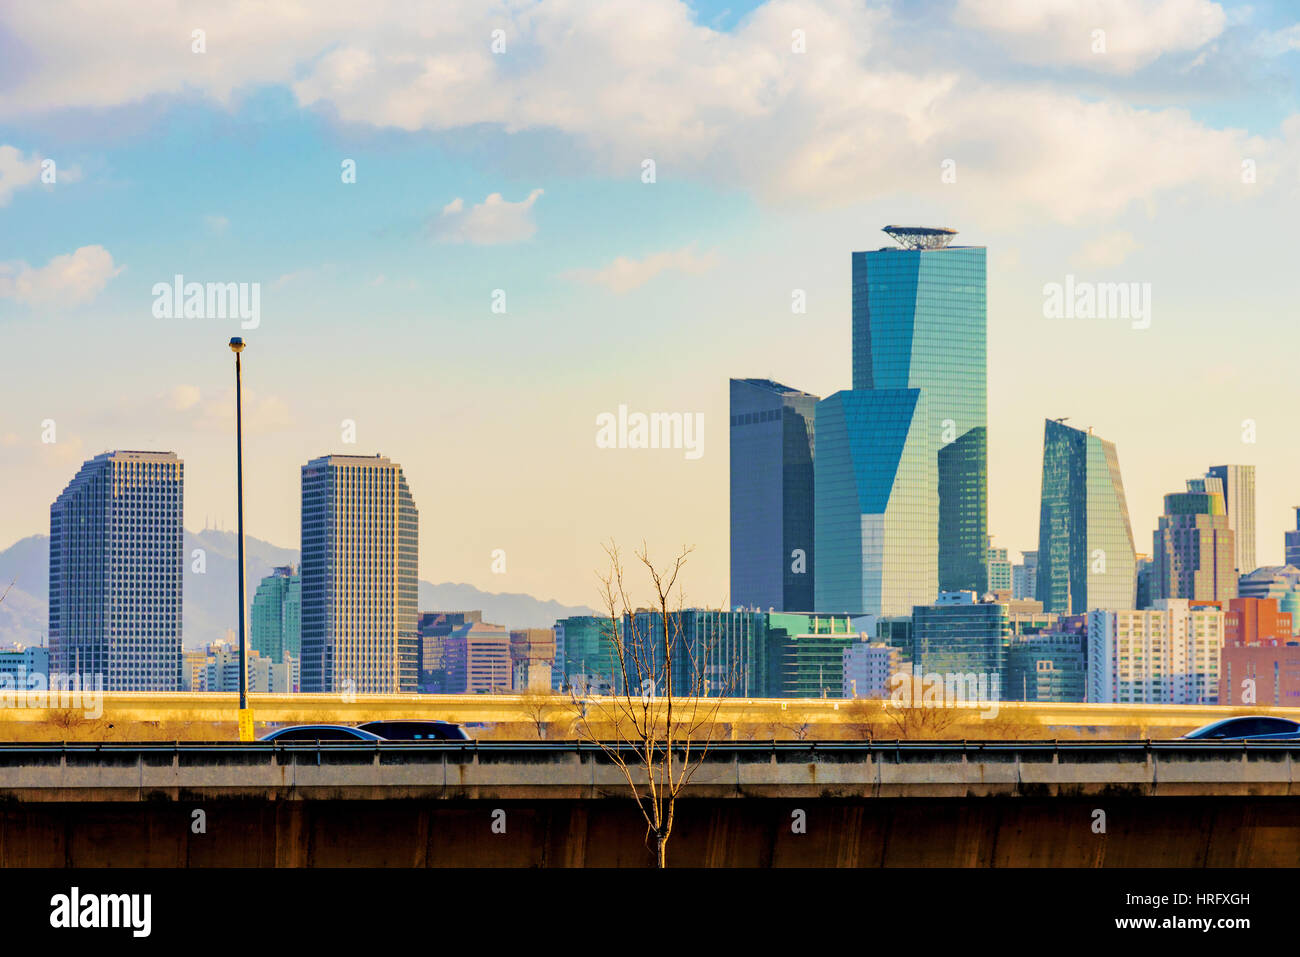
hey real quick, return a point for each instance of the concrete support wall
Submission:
(1010, 832)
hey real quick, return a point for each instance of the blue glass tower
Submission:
(919, 330)
(771, 496)
(877, 503)
(1086, 559)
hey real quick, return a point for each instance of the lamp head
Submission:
(236, 345)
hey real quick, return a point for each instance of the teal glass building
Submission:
(910, 440)
(1086, 558)
(876, 487)
(276, 615)
(968, 638)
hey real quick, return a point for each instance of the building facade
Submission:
(1169, 654)
(1238, 486)
(961, 636)
(1086, 558)
(116, 568)
(1194, 552)
(905, 453)
(276, 617)
(1048, 666)
(772, 536)
(868, 668)
(360, 542)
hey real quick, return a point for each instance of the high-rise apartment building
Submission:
(903, 455)
(1086, 558)
(1168, 654)
(116, 567)
(276, 616)
(772, 544)
(1194, 554)
(1238, 487)
(360, 542)
(1024, 577)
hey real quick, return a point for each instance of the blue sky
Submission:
(771, 167)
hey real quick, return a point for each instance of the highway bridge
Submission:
(825, 803)
(201, 708)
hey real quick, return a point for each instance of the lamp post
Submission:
(245, 716)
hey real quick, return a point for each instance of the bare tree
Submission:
(541, 708)
(660, 719)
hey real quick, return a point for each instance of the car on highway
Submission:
(416, 730)
(321, 732)
(1247, 728)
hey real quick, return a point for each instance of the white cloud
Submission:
(624, 274)
(855, 118)
(66, 280)
(1106, 251)
(491, 222)
(16, 172)
(1132, 34)
(1279, 42)
(183, 397)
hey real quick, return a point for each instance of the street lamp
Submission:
(245, 716)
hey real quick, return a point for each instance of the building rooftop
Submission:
(920, 237)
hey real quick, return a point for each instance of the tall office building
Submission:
(116, 566)
(1194, 555)
(360, 541)
(771, 496)
(919, 382)
(920, 322)
(276, 616)
(877, 505)
(1238, 486)
(1086, 558)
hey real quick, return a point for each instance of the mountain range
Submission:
(209, 599)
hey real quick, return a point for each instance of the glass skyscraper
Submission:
(360, 549)
(877, 504)
(1194, 553)
(1086, 558)
(116, 566)
(915, 456)
(276, 615)
(771, 496)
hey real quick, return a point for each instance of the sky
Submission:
(501, 156)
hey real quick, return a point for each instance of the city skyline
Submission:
(622, 291)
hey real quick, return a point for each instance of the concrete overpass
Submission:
(201, 708)
(560, 803)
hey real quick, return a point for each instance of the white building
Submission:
(1168, 654)
(868, 666)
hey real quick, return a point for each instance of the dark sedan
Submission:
(321, 732)
(416, 730)
(1247, 727)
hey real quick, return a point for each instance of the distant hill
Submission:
(209, 608)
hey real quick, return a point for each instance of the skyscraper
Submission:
(877, 512)
(116, 566)
(920, 322)
(360, 542)
(1194, 554)
(276, 617)
(902, 456)
(771, 495)
(1239, 496)
(1000, 578)
(1086, 558)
